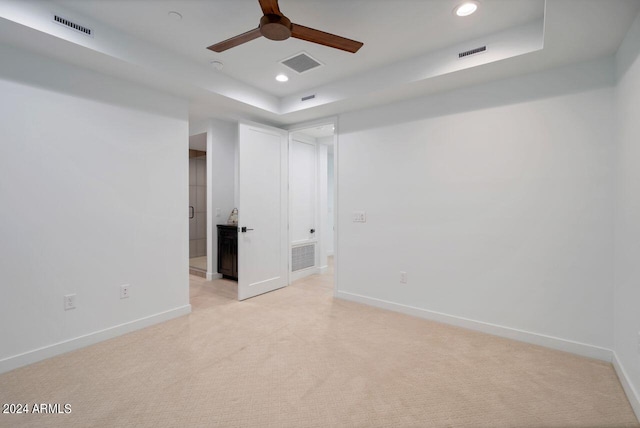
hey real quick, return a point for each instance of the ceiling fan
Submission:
(275, 26)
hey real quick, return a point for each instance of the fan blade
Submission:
(235, 41)
(270, 7)
(326, 39)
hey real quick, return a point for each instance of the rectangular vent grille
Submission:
(301, 63)
(303, 257)
(308, 97)
(62, 21)
(472, 51)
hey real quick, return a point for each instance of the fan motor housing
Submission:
(275, 27)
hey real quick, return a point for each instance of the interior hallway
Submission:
(297, 357)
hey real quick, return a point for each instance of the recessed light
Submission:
(282, 78)
(466, 8)
(175, 16)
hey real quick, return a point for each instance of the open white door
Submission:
(262, 210)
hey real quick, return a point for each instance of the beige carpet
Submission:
(299, 358)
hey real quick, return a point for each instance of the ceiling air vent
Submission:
(301, 63)
(63, 21)
(472, 52)
(308, 97)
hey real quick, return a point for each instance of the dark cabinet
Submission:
(228, 251)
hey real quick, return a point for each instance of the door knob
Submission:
(244, 229)
(312, 231)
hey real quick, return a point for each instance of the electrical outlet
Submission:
(403, 277)
(359, 217)
(218, 212)
(124, 291)
(69, 302)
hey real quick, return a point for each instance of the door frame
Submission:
(333, 120)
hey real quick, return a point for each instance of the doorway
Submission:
(198, 205)
(247, 167)
(311, 196)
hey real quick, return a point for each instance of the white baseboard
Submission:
(213, 275)
(303, 273)
(632, 393)
(49, 351)
(565, 345)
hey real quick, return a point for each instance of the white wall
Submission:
(322, 222)
(93, 191)
(497, 202)
(328, 234)
(627, 236)
(303, 189)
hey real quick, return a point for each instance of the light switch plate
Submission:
(359, 217)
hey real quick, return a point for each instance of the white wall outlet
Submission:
(359, 217)
(218, 212)
(124, 291)
(403, 277)
(69, 302)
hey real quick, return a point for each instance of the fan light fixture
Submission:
(466, 8)
(275, 26)
(282, 78)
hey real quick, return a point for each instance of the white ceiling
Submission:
(402, 56)
(391, 31)
(319, 131)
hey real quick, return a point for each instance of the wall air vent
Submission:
(308, 97)
(472, 52)
(301, 63)
(63, 21)
(303, 257)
